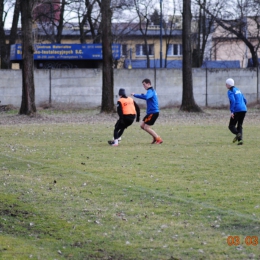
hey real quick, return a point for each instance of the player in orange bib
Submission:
(127, 110)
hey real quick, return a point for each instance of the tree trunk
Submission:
(28, 94)
(196, 56)
(87, 17)
(108, 73)
(13, 33)
(188, 102)
(147, 53)
(61, 21)
(3, 45)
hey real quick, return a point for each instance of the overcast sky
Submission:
(166, 5)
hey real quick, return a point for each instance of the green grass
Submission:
(66, 194)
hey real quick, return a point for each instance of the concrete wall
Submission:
(83, 87)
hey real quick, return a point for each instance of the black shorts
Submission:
(124, 122)
(150, 118)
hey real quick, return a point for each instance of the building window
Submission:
(124, 50)
(174, 50)
(141, 49)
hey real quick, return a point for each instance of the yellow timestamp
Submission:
(249, 240)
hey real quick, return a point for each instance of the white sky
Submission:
(166, 6)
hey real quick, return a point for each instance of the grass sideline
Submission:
(66, 194)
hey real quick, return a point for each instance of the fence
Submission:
(83, 87)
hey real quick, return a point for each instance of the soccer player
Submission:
(152, 110)
(238, 110)
(127, 110)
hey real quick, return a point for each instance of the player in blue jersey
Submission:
(238, 110)
(152, 110)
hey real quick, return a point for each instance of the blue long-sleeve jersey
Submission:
(151, 100)
(237, 100)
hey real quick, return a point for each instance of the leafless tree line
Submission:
(54, 16)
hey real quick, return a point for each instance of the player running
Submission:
(152, 110)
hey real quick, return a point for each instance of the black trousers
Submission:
(236, 123)
(122, 124)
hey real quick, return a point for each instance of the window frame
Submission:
(171, 50)
(124, 50)
(140, 50)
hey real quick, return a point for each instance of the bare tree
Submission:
(28, 91)
(4, 45)
(240, 20)
(61, 21)
(50, 17)
(13, 33)
(144, 12)
(89, 16)
(107, 104)
(205, 27)
(53, 15)
(107, 9)
(169, 26)
(188, 102)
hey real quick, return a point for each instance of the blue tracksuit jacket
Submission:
(237, 100)
(151, 100)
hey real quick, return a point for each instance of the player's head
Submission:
(230, 83)
(147, 83)
(121, 92)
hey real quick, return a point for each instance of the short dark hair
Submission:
(147, 81)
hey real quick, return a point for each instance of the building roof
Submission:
(124, 29)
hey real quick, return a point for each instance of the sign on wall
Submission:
(65, 51)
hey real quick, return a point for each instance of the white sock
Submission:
(116, 141)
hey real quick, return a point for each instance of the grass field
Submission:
(66, 194)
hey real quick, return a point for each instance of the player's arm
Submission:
(146, 96)
(232, 101)
(137, 109)
(142, 96)
(119, 109)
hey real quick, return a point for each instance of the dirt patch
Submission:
(52, 116)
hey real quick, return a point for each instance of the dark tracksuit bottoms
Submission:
(237, 120)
